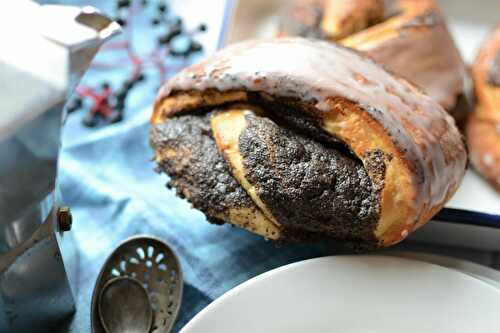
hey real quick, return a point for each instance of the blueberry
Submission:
(121, 95)
(163, 39)
(140, 77)
(75, 104)
(177, 23)
(176, 53)
(195, 47)
(127, 85)
(162, 8)
(123, 3)
(116, 117)
(121, 21)
(202, 27)
(90, 120)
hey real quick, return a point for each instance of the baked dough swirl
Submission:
(408, 37)
(301, 139)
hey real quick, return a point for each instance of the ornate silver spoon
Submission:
(153, 264)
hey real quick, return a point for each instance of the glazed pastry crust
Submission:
(412, 42)
(483, 126)
(355, 101)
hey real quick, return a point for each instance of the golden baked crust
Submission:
(355, 101)
(412, 40)
(483, 126)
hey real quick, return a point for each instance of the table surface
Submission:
(106, 177)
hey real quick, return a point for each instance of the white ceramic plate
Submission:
(358, 294)
(487, 274)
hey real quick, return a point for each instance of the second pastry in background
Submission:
(408, 37)
(483, 126)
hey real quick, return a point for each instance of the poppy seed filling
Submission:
(311, 185)
(305, 184)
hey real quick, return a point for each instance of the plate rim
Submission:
(240, 287)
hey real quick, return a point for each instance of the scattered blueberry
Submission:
(123, 3)
(121, 21)
(74, 104)
(162, 8)
(202, 27)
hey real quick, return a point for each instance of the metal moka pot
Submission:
(44, 51)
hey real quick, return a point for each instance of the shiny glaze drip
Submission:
(316, 72)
